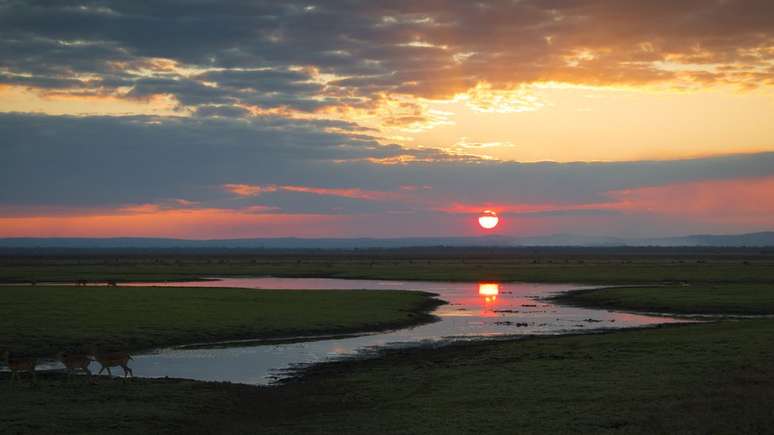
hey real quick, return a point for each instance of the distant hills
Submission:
(759, 239)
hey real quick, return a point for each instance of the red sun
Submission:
(488, 219)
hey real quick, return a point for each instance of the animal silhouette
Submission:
(19, 364)
(74, 362)
(113, 359)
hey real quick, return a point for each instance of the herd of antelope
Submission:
(73, 363)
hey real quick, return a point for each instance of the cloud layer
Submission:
(71, 167)
(351, 55)
(297, 118)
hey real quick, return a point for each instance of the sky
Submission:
(342, 118)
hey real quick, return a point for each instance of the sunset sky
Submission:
(225, 119)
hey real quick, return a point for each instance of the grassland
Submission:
(716, 378)
(43, 320)
(707, 378)
(605, 266)
(55, 406)
(702, 378)
(741, 299)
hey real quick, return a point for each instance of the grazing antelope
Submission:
(113, 359)
(19, 364)
(75, 362)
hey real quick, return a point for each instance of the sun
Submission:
(488, 219)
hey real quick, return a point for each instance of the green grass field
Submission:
(591, 266)
(43, 320)
(707, 378)
(743, 299)
(701, 378)
(716, 378)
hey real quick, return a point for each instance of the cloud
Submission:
(741, 198)
(351, 54)
(94, 160)
(222, 111)
(147, 222)
(247, 190)
(291, 108)
(294, 166)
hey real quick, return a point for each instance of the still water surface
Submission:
(475, 310)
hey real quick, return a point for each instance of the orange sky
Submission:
(332, 115)
(736, 203)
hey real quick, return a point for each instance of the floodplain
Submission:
(714, 376)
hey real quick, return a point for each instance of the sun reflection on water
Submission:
(489, 291)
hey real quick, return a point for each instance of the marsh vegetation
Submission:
(558, 265)
(715, 377)
(44, 320)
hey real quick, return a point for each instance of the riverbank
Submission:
(715, 378)
(721, 299)
(708, 378)
(44, 320)
(700, 378)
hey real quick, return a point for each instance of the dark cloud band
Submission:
(110, 161)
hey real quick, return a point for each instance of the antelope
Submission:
(74, 362)
(19, 364)
(113, 359)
